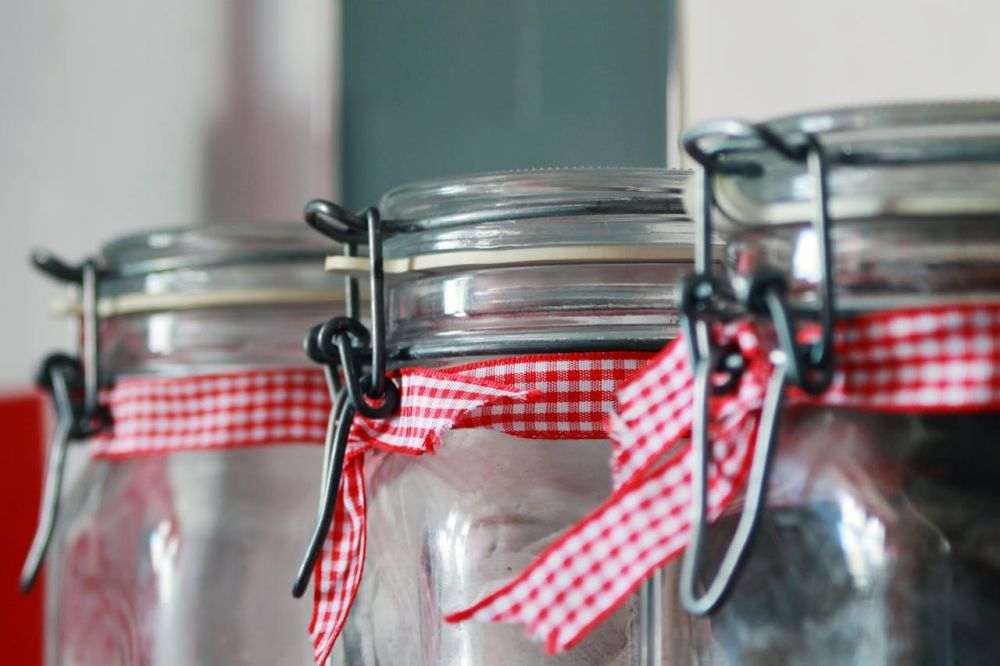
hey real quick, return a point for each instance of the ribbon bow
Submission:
(936, 360)
(557, 396)
(431, 402)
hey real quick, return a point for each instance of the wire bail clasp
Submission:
(75, 390)
(345, 347)
(808, 366)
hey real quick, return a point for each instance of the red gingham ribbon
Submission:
(169, 414)
(558, 396)
(555, 396)
(944, 359)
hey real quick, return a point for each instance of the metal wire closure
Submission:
(334, 449)
(336, 222)
(379, 382)
(703, 603)
(75, 389)
(346, 347)
(59, 373)
(91, 345)
(817, 372)
(808, 366)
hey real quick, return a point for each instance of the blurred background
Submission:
(118, 116)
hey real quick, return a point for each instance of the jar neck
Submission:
(207, 341)
(880, 263)
(534, 309)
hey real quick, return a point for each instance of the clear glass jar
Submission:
(186, 557)
(880, 540)
(444, 530)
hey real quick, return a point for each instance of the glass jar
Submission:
(513, 264)
(183, 557)
(880, 540)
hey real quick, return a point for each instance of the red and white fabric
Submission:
(553, 396)
(255, 408)
(944, 359)
(557, 396)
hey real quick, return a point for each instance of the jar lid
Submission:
(532, 262)
(216, 265)
(535, 193)
(552, 216)
(908, 159)
(913, 192)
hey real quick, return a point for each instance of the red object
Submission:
(23, 415)
(548, 396)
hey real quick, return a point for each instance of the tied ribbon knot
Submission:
(555, 396)
(431, 402)
(944, 359)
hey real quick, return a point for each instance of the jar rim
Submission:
(532, 193)
(235, 264)
(211, 245)
(914, 159)
(532, 209)
(876, 117)
(533, 261)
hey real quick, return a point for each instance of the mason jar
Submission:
(524, 266)
(179, 551)
(880, 539)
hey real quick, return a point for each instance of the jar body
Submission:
(446, 529)
(878, 546)
(525, 263)
(878, 543)
(184, 559)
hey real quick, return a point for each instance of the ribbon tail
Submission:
(338, 572)
(432, 402)
(654, 413)
(592, 569)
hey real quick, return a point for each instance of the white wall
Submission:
(118, 116)
(755, 59)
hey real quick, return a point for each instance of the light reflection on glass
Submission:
(863, 542)
(163, 549)
(455, 296)
(452, 545)
(161, 333)
(805, 257)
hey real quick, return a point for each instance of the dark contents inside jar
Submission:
(880, 545)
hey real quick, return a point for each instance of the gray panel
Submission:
(448, 87)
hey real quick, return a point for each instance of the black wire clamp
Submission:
(75, 389)
(346, 348)
(808, 366)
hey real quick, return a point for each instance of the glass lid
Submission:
(516, 210)
(936, 158)
(216, 265)
(212, 245)
(512, 195)
(533, 261)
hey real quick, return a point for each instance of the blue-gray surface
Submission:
(450, 86)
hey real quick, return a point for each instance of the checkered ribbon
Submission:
(155, 415)
(557, 396)
(560, 396)
(944, 359)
